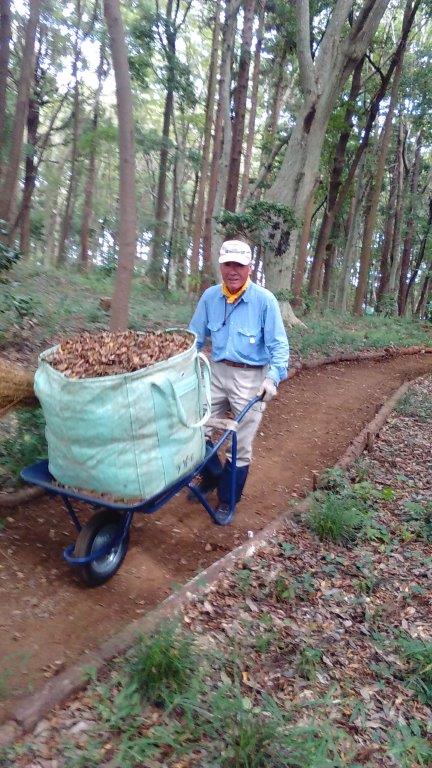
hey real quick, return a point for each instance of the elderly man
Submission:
(249, 356)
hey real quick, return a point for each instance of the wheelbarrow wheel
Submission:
(103, 527)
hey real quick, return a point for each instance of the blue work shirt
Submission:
(249, 331)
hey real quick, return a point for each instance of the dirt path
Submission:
(48, 620)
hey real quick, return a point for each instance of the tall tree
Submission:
(87, 211)
(11, 170)
(205, 162)
(239, 105)
(127, 204)
(322, 79)
(5, 38)
(172, 25)
(375, 192)
(222, 139)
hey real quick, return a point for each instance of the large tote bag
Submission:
(130, 435)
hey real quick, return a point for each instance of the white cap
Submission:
(235, 250)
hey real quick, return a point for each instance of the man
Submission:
(249, 356)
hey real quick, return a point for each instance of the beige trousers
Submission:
(232, 388)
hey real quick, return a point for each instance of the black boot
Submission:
(210, 475)
(223, 514)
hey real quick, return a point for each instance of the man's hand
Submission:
(268, 390)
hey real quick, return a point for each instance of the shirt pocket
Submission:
(218, 336)
(248, 340)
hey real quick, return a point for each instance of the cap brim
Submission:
(238, 258)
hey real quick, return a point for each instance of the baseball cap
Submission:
(235, 250)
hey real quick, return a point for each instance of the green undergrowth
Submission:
(22, 442)
(331, 333)
(44, 303)
(345, 511)
(196, 711)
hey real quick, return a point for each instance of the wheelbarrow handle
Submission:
(248, 406)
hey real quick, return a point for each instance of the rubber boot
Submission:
(224, 484)
(210, 474)
(223, 514)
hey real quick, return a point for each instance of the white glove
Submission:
(268, 389)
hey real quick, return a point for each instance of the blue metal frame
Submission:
(38, 474)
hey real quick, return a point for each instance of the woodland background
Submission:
(303, 125)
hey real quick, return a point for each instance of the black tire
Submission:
(102, 527)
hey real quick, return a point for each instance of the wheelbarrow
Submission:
(102, 542)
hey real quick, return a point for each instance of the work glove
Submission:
(267, 390)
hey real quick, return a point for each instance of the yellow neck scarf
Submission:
(232, 297)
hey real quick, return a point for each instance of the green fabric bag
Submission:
(130, 435)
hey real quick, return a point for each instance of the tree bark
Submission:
(348, 257)
(425, 294)
(73, 171)
(239, 105)
(156, 260)
(389, 231)
(87, 212)
(221, 142)
(422, 251)
(254, 100)
(322, 80)
(11, 171)
(30, 174)
(5, 38)
(395, 253)
(127, 206)
(335, 182)
(372, 209)
(409, 236)
(303, 252)
(205, 164)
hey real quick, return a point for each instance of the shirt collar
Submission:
(246, 296)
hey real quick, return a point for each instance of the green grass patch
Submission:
(416, 405)
(22, 443)
(417, 655)
(163, 665)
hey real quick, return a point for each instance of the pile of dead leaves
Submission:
(89, 355)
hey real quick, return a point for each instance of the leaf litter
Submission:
(304, 627)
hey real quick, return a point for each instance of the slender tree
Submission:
(11, 170)
(5, 38)
(239, 105)
(127, 206)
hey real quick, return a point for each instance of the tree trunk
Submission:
(395, 254)
(303, 252)
(335, 182)
(389, 230)
(422, 251)
(221, 142)
(72, 185)
(322, 80)
(156, 260)
(372, 210)
(87, 212)
(127, 207)
(5, 39)
(409, 236)
(205, 164)
(254, 100)
(425, 295)
(11, 171)
(239, 105)
(29, 176)
(348, 257)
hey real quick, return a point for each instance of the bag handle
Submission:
(205, 371)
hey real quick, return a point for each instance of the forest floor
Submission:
(311, 652)
(49, 620)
